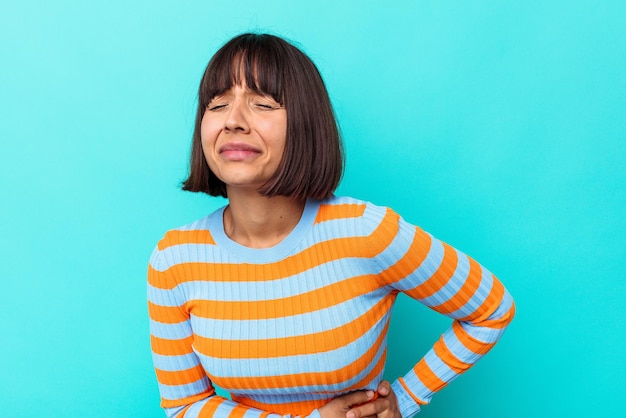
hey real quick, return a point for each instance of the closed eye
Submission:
(265, 106)
(215, 107)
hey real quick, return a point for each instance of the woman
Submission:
(283, 297)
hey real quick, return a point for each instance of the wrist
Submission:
(407, 405)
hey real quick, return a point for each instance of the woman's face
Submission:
(243, 137)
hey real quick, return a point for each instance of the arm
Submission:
(452, 284)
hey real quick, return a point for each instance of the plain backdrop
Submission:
(499, 127)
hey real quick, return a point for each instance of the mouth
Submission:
(237, 151)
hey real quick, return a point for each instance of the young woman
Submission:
(283, 297)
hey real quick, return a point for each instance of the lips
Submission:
(237, 151)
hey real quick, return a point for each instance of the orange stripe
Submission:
(238, 411)
(466, 291)
(297, 345)
(407, 390)
(166, 314)
(471, 343)
(176, 237)
(444, 353)
(415, 256)
(211, 406)
(172, 403)
(180, 377)
(312, 379)
(161, 280)
(489, 305)
(370, 376)
(330, 212)
(312, 301)
(171, 347)
(440, 277)
(324, 252)
(302, 408)
(500, 322)
(427, 376)
(306, 407)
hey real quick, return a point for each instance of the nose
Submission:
(237, 118)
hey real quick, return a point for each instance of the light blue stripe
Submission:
(459, 350)
(245, 291)
(417, 386)
(425, 270)
(479, 296)
(194, 410)
(175, 363)
(291, 326)
(197, 253)
(169, 331)
(451, 288)
(305, 363)
(181, 391)
(397, 249)
(226, 407)
(184, 253)
(439, 368)
(163, 297)
(343, 200)
(505, 306)
(252, 413)
(173, 412)
(281, 398)
(487, 334)
(312, 392)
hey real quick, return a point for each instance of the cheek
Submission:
(278, 134)
(208, 134)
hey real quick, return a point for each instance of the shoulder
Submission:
(367, 215)
(342, 207)
(196, 232)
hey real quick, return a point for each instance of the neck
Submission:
(257, 221)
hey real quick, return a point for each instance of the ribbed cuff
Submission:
(408, 407)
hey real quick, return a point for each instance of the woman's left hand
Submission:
(385, 406)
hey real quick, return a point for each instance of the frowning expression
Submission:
(243, 137)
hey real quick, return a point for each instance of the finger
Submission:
(368, 409)
(384, 388)
(357, 398)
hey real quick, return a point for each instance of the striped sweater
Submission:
(287, 328)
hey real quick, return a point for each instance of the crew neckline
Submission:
(264, 255)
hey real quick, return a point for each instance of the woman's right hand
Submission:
(339, 406)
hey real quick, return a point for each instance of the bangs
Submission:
(251, 61)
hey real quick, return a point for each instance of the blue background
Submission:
(500, 127)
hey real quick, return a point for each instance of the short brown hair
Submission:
(312, 163)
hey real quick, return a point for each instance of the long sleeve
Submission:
(453, 284)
